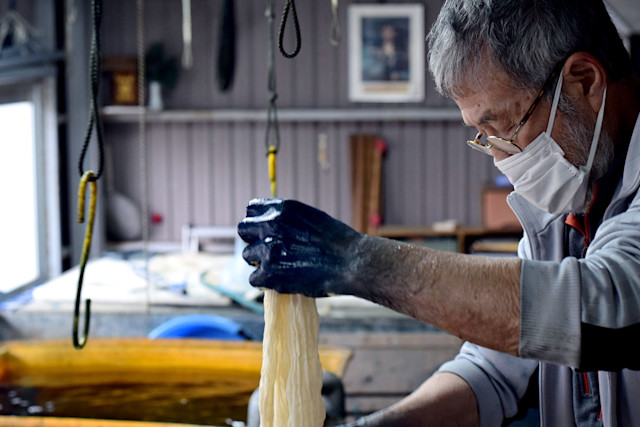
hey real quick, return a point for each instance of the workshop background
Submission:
(179, 170)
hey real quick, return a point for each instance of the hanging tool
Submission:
(272, 111)
(336, 34)
(226, 46)
(89, 176)
(290, 5)
(142, 144)
(187, 50)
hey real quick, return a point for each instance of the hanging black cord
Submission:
(290, 5)
(272, 111)
(94, 73)
(88, 177)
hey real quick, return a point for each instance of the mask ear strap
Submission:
(554, 106)
(596, 132)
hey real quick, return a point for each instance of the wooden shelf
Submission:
(124, 114)
(469, 239)
(494, 245)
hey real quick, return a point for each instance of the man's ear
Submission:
(585, 77)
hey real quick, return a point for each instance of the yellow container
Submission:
(163, 380)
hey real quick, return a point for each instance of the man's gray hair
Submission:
(526, 39)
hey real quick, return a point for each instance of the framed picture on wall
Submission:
(386, 52)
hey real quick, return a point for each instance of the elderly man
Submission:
(551, 91)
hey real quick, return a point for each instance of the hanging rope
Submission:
(89, 177)
(273, 128)
(142, 145)
(94, 75)
(290, 5)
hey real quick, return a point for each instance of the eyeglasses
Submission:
(509, 145)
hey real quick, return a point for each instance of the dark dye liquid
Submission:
(204, 401)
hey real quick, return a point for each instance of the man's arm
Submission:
(475, 298)
(445, 400)
(299, 249)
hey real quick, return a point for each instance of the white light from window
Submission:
(19, 255)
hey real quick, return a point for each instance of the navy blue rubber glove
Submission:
(297, 248)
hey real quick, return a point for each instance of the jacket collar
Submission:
(631, 174)
(534, 220)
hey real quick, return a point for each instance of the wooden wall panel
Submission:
(251, 51)
(222, 175)
(304, 65)
(317, 77)
(244, 170)
(201, 183)
(306, 161)
(258, 153)
(330, 173)
(325, 84)
(339, 72)
(158, 180)
(413, 174)
(286, 166)
(435, 173)
(188, 95)
(394, 190)
(180, 186)
(344, 173)
(204, 172)
(456, 183)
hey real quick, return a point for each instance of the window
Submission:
(19, 218)
(29, 217)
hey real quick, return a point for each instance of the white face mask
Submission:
(543, 176)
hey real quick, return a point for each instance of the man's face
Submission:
(496, 109)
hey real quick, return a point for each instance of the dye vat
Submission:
(204, 382)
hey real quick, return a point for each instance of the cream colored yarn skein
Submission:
(291, 375)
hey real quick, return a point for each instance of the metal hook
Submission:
(87, 177)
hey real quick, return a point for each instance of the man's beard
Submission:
(575, 140)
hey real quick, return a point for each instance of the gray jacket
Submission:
(580, 313)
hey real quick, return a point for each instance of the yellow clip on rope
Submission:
(271, 157)
(87, 178)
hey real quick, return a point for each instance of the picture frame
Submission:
(386, 52)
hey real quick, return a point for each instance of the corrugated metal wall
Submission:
(204, 171)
